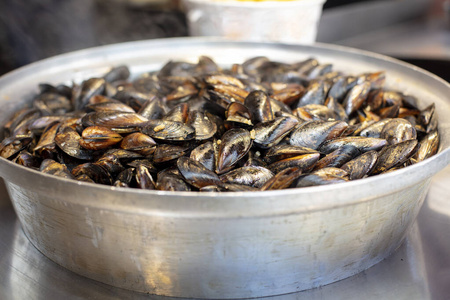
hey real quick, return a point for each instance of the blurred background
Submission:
(417, 31)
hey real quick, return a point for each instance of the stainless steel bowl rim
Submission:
(135, 198)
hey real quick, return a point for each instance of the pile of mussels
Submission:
(260, 125)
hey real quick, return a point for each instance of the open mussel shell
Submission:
(11, 146)
(374, 100)
(239, 115)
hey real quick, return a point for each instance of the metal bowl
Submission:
(211, 245)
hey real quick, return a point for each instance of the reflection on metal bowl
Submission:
(209, 245)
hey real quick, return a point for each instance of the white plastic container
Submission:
(294, 21)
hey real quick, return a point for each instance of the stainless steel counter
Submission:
(419, 269)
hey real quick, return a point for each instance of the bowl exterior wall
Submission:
(206, 257)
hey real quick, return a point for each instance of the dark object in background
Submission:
(334, 3)
(440, 67)
(31, 30)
